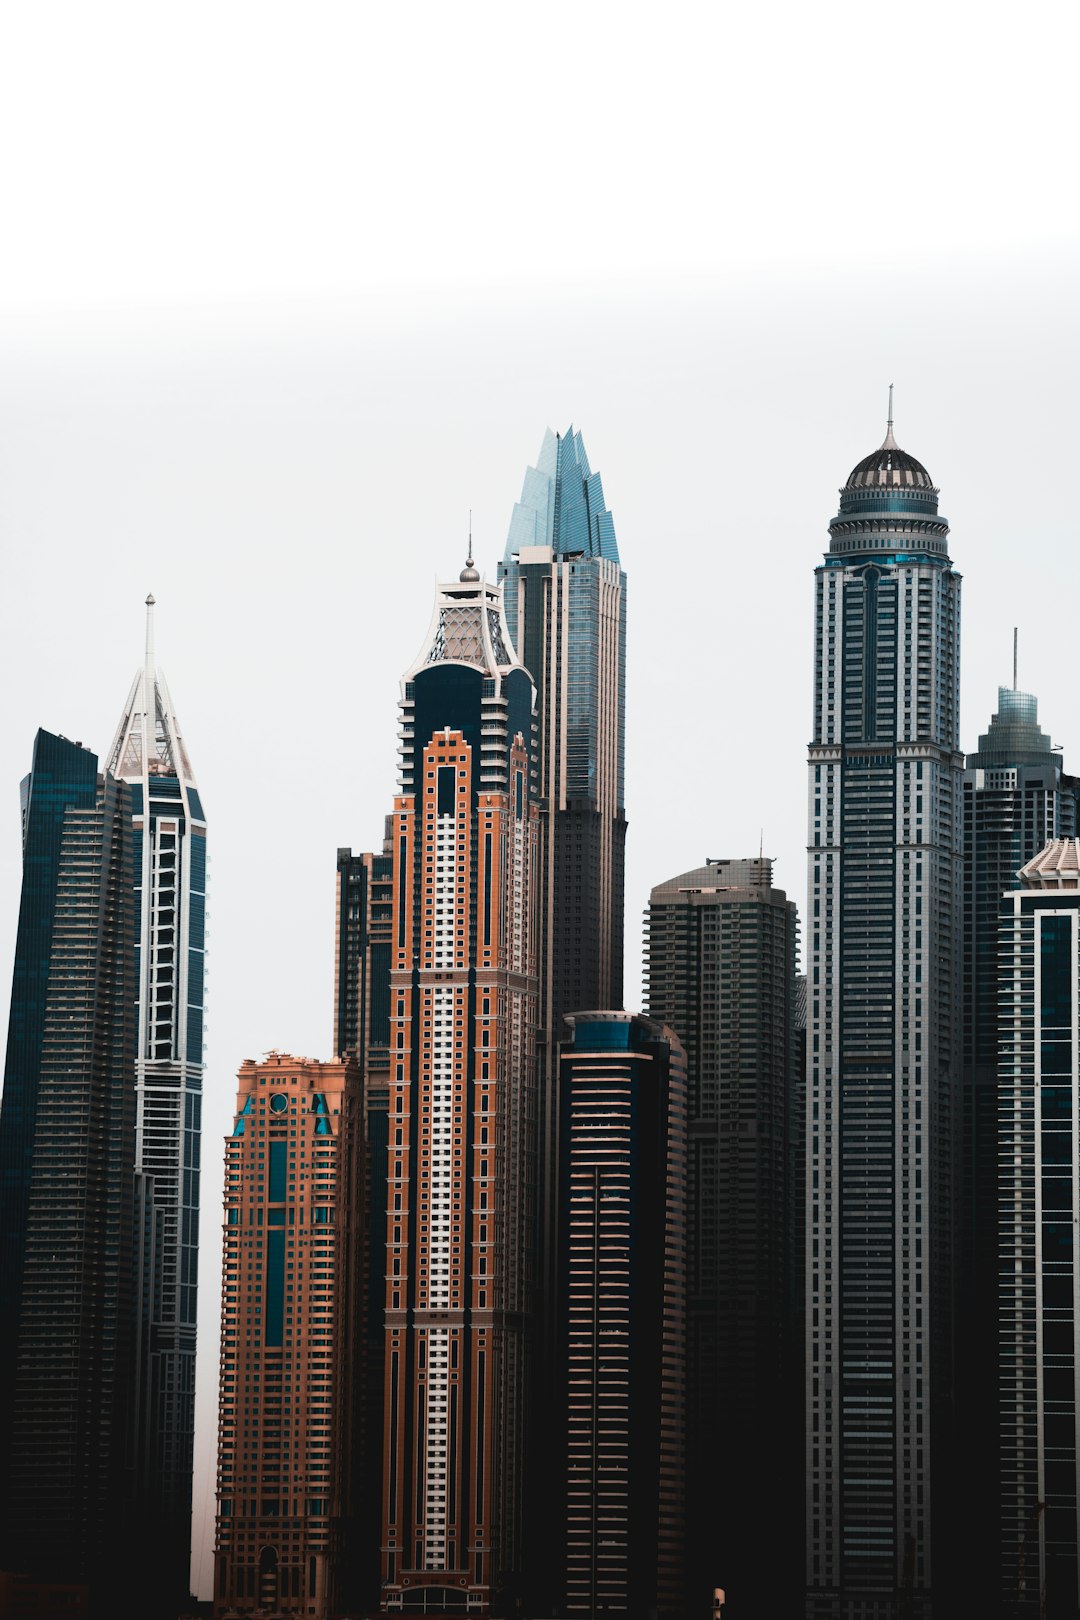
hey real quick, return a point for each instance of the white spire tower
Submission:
(170, 877)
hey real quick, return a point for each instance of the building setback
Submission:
(720, 968)
(148, 753)
(884, 1050)
(287, 1484)
(461, 1216)
(623, 1216)
(67, 1147)
(1039, 1202)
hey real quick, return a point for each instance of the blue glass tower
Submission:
(170, 896)
(565, 599)
(67, 1130)
(1016, 799)
(884, 1048)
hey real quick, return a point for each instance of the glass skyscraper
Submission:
(1016, 797)
(884, 1046)
(148, 753)
(67, 1138)
(1038, 1539)
(720, 964)
(565, 596)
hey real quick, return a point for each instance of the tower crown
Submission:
(562, 504)
(888, 503)
(148, 740)
(889, 467)
(468, 626)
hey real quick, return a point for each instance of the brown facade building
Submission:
(461, 1150)
(290, 1294)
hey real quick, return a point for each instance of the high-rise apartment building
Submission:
(621, 1408)
(364, 940)
(565, 595)
(1038, 1539)
(460, 1222)
(1016, 797)
(288, 1487)
(67, 1149)
(720, 968)
(884, 1046)
(148, 753)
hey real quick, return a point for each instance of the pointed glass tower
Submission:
(565, 595)
(170, 876)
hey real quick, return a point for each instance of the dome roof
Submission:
(889, 467)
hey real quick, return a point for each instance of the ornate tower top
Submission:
(562, 504)
(468, 626)
(1057, 866)
(888, 504)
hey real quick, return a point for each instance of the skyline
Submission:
(286, 293)
(269, 1004)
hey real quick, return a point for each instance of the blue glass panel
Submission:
(275, 1286)
(278, 1168)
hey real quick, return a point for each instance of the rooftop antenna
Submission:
(889, 423)
(469, 564)
(1016, 637)
(150, 629)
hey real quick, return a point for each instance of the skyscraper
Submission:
(720, 968)
(364, 940)
(170, 897)
(1039, 1111)
(884, 1047)
(460, 1224)
(565, 595)
(1016, 797)
(622, 1391)
(288, 1481)
(67, 1137)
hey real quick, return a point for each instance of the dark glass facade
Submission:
(67, 1138)
(1016, 797)
(1038, 1536)
(720, 961)
(622, 1370)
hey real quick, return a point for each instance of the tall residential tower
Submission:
(565, 595)
(462, 1117)
(67, 1188)
(884, 1052)
(720, 964)
(170, 898)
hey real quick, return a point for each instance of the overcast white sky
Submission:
(285, 290)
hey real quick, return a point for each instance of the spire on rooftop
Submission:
(148, 741)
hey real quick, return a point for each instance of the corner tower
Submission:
(883, 1043)
(170, 902)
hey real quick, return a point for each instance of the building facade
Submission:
(565, 595)
(884, 1046)
(288, 1490)
(462, 1117)
(1039, 1203)
(720, 968)
(363, 943)
(1016, 797)
(623, 1224)
(67, 1148)
(148, 753)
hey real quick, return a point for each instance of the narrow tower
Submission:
(170, 897)
(883, 1034)
(565, 595)
(461, 1190)
(67, 1137)
(720, 963)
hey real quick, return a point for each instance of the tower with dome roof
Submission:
(883, 1040)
